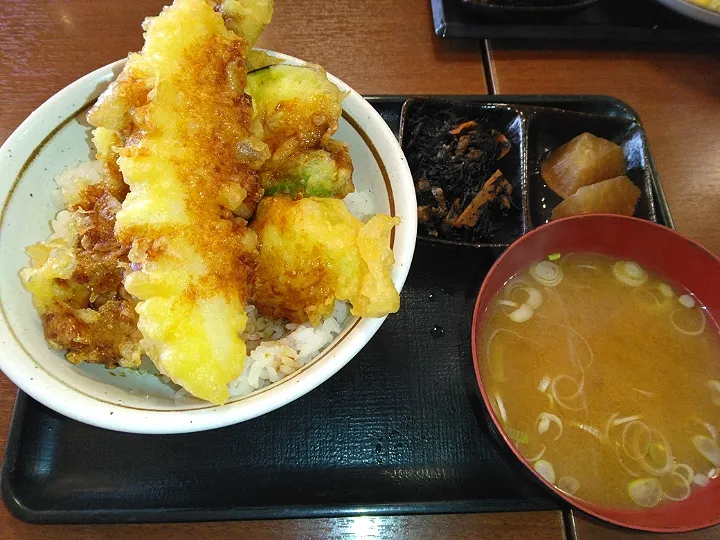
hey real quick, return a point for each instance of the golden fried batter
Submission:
(108, 335)
(314, 251)
(76, 278)
(182, 119)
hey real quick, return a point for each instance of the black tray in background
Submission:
(608, 21)
(400, 430)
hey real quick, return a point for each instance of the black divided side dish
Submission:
(400, 429)
(534, 129)
(605, 21)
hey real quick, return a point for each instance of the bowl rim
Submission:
(44, 387)
(693, 11)
(475, 330)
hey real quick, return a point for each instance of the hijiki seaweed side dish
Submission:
(462, 193)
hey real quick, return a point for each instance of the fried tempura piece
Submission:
(315, 252)
(296, 112)
(583, 161)
(615, 196)
(246, 18)
(179, 120)
(260, 59)
(296, 107)
(76, 275)
(115, 113)
(323, 172)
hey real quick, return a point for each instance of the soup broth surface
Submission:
(607, 378)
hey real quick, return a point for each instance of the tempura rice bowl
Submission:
(284, 361)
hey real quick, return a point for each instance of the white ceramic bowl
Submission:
(693, 11)
(54, 137)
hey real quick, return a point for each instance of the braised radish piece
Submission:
(585, 160)
(614, 196)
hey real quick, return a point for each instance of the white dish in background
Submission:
(54, 137)
(693, 11)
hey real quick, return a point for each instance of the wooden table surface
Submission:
(383, 47)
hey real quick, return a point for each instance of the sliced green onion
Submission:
(685, 470)
(645, 492)
(537, 456)
(543, 424)
(665, 290)
(554, 256)
(626, 419)
(715, 391)
(547, 273)
(534, 299)
(545, 469)
(595, 432)
(563, 402)
(659, 459)
(708, 448)
(695, 332)
(522, 314)
(629, 273)
(519, 437)
(676, 487)
(701, 480)
(709, 427)
(569, 485)
(636, 439)
(610, 424)
(501, 407)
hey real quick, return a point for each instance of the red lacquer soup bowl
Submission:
(656, 248)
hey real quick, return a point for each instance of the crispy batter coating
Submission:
(187, 154)
(296, 111)
(296, 107)
(108, 335)
(321, 172)
(314, 251)
(76, 279)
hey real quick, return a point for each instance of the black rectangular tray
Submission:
(608, 21)
(400, 430)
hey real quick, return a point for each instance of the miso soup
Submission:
(607, 379)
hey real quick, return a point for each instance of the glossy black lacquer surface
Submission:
(606, 21)
(399, 430)
(509, 9)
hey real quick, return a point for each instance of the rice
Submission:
(277, 349)
(73, 180)
(360, 205)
